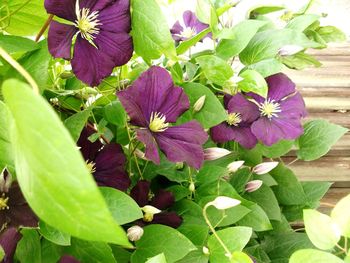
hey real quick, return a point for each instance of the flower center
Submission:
(157, 122)
(87, 22)
(188, 32)
(3, 202)
(269, 108)
(234, 119)
(91, 166)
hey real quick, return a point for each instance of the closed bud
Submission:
(192, 187)
(199, 104)
(148, 209)
(253, 185)
(289, 50)
(264, 168)
(5, 180)
(224, 202)
(206, 251)
(134, 233)
(215, 153)
(234, 166)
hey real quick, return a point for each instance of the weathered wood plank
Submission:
(331, 199)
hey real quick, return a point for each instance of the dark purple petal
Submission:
(8, 241)
(61, 8)
(90, 64)
(60, 39)
(167, 218)
(95, 5)
(68, 259)
(88, 149)
(183, 143)
(176, 31)
(293, 107)
(116, 17)
(146, 137)
(248, 110)
(110, 167)
(222, 133)
(163, 200)
(276, 129)
(140, 192)
(280, 86)
(22, 216)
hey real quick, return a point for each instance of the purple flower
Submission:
(152, 102)
(241, 114)
(106, 162)
(191, 27)
(162, 200)
(280, 113)
(102, 28)
(8, 241)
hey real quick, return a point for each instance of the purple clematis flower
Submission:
(280, 113)
(191, 27)
(102, 35)
(8, 241)
(241, 114)
(162, 200)
(106, 162)
(152, 102)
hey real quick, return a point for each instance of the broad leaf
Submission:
(341, 215)
(115, 113)
(28, 248)
(253, 82)
(256, 219)
(54, 235)
(14, 44)
(276, 150)
(6, 157)
(300, 23)
(187, 44)
(157, 259)
(314, 256)
(76, 123)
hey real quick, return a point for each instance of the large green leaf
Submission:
(314, 256)
(300, 23)
(159, 239)
(52, 173)
(54, 235)
(256, 219)
(28, 248)
(76, 123)
(318, 138)
(151, 34)
(341, 215)
(14, 44)
(254, 82)
(276, 150)
(6, 156)
(212, 113)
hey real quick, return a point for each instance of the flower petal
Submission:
(8, 241)
(248, 110)
(95, 5)
(221, 133)
(110, 167)
(146, 137)
(176, 31)
(140, 192)
(191, 20)
(280, 86)
(183, 143)
(60, 39)
(68, 259)
(22, 216)
(116, 17)
(293, 107)
(167, 218)
(91, 65)
(88, 149)
(163, 200)
(61, 8)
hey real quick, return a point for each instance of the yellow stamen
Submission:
(147, 217)
(91, 166)
(3, 202)
(269, 108)
(234, 119)
(157, 122)
(188, 32)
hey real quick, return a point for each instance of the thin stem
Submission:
(43, 29)
(228, 252)
(101, 135)
(341, 248)
(296, 159)
(20, 69)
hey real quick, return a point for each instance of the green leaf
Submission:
(123, 208)
(2, 253)
(314, 191)
(266, 44)
(196, 256)
(28, 248)
(87, 252)
(175, 246)
(50, 252)
(235, 239)
(256, 219)
(115, 113)
(341, 215)
(151, 34)
(267, 67)
(198, 234)
(318, 138)
(266, 9)
(51, 171)
(276, 150)
(157, 259)
(314, 256)
(320, 229)
(120, 254)
(6, 157)
(54, 235)
(253, 82)
(14, 44)
(212, 113)
(235, 39)
(215, 69)
(240, 257)
(203, 11)
(187, 44)
(331, 34)
(300, 23)
(76, 123)
(300, 61)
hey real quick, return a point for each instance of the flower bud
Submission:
(289, 50)
(5, 180)
(206, 251)
(215, 153)
(234, 166)
(253, 185)
(192, 187)
(148, 209)
(134, 233)
(199, 104)
(264, 168)
(224, 202)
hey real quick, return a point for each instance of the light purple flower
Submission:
(280, 113)
(153, 102)
(241, 114)
(102, 35)
(191, 26)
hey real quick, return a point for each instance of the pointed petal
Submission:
(167, 218)
(90, 65)
(146, 137)
(248, 110)
(189, 18)
(293, 107)
(176, 31)
(110, 167)
(163, 200)
(183, 143)
(88, 149)
(8, 241)
(60, 39)
(95, 5)
(61, 8)
(140, 192)
(280, 86)
(116, 17)
(221, 133)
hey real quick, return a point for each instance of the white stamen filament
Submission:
(270, 108)
(234, 119)
(157, 122)
(188, 32)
